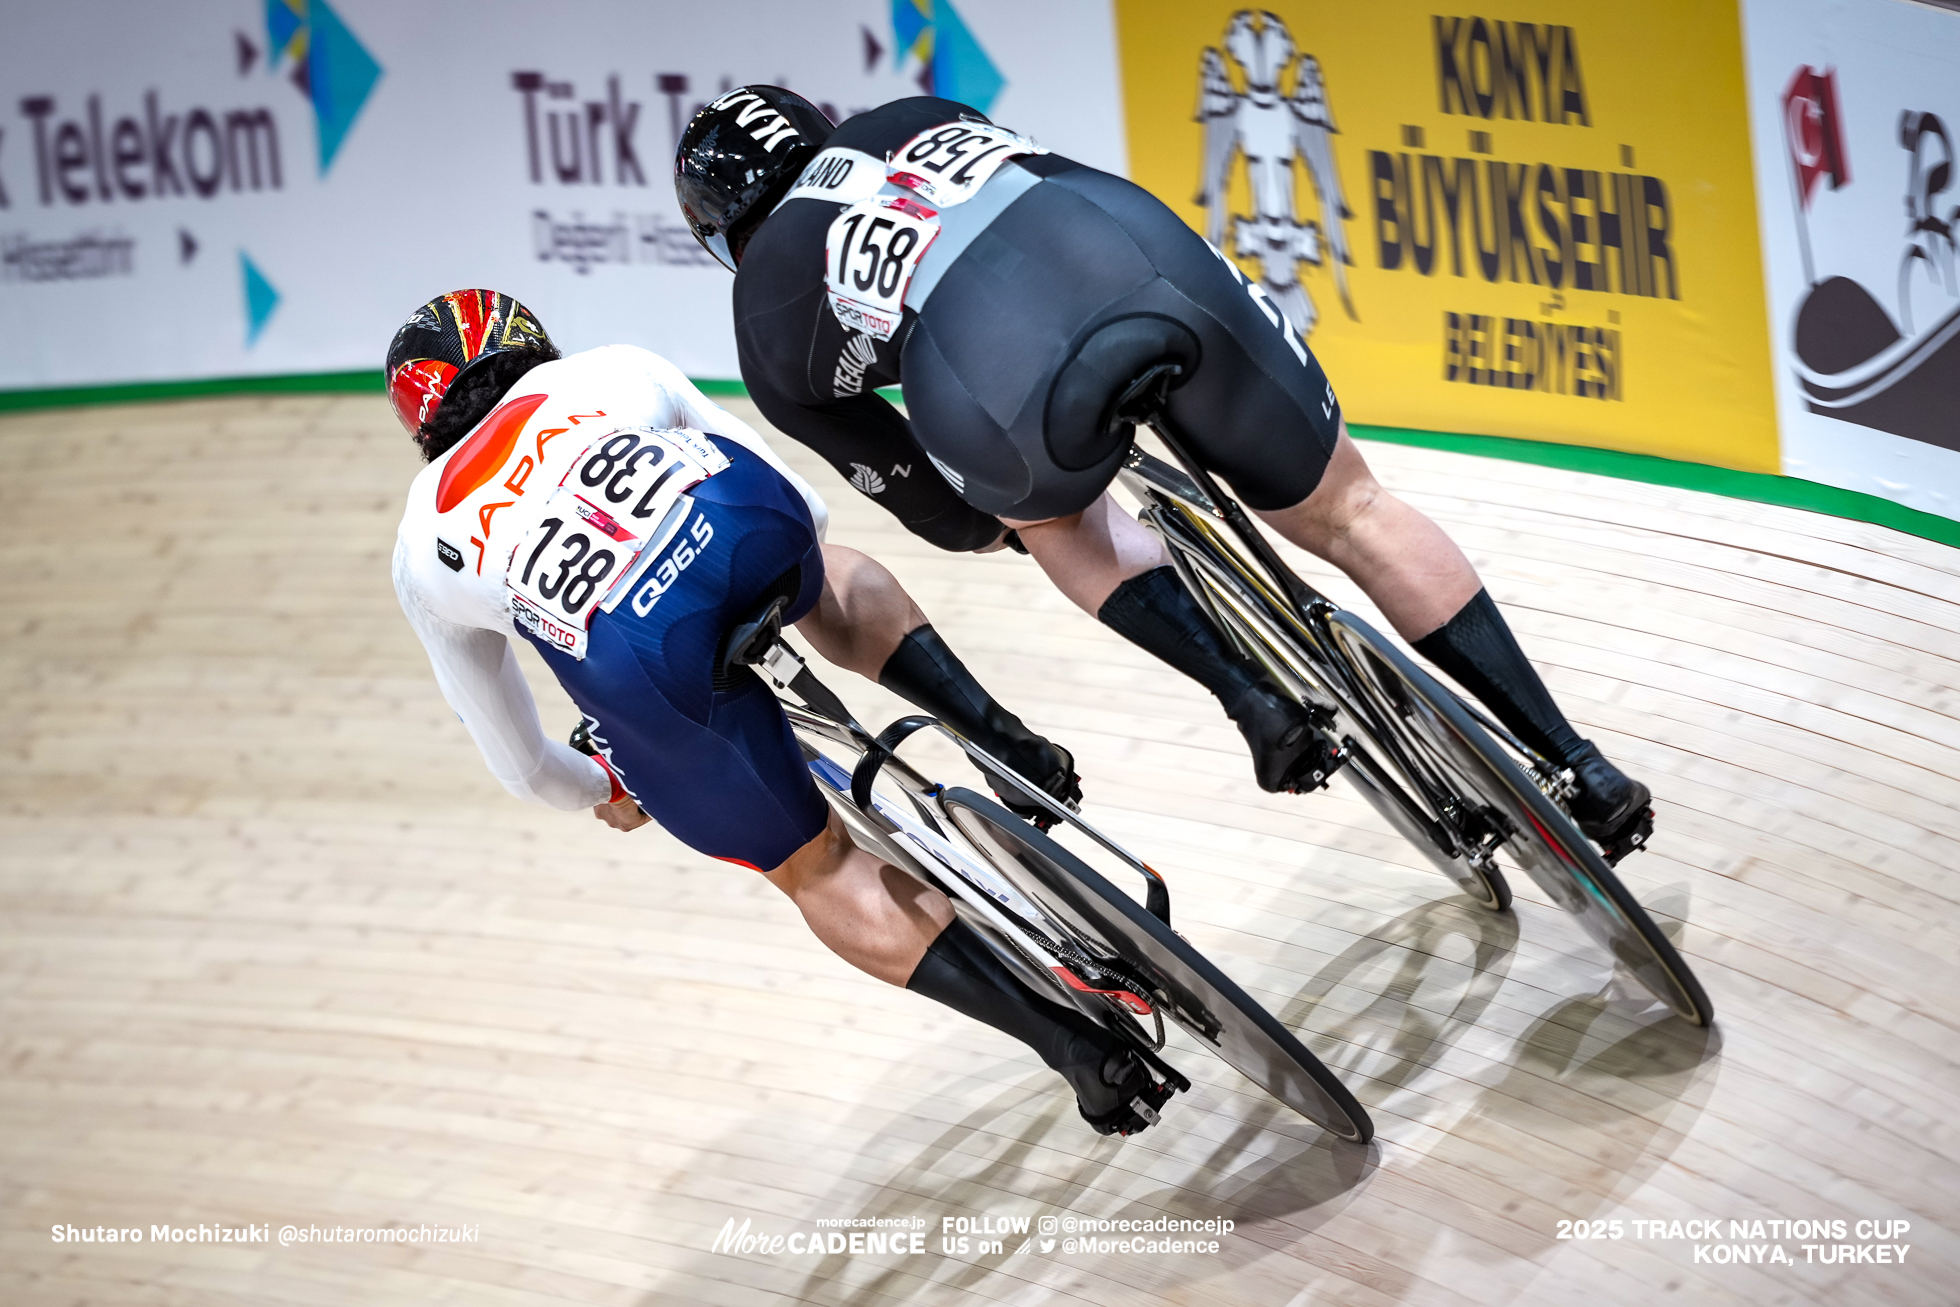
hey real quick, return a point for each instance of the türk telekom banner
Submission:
(220, 187)
(1856, 107)
(1531, 221)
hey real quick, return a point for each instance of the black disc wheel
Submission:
(1176, 979)
(1494, 797)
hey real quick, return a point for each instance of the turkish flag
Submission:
(1815, 130)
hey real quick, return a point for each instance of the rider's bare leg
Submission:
(903, 932)
(1088, 554)
(1415, 574)
(865, 621)
(863, 613)
(867, 912)
(1432, 596)
(1426, 589)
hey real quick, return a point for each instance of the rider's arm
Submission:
(478, 674)
(870, 444)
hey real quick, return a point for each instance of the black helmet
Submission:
(737, 157)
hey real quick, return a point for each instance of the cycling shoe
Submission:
(1611, 808)
(1125, 1096)
(1048, 765)
(1289, 754)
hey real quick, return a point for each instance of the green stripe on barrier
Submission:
(1761, 487)
(142, 392)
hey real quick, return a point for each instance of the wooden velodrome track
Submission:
(275, 948)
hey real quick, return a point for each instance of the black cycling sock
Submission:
(927, 673)
(1157, 614)
(1476, 648)
(960, 971)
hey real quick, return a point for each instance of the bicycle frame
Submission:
(1048, 915)
(1284, 591)
(1360, 686)
(1235, 573)
(1044, 949)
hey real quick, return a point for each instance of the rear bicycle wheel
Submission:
(1175, 978)
(1521, 818)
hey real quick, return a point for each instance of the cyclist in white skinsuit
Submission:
(462, 614)
(602, 507)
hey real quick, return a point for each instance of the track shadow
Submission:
(1605, 1071)
(970, 1167)
(1669, 909)
(1270, 1166)
(1301, 1184)
(1595, 1094)
(1272, 1202)
(1595, 1097)
(920, 1182)
(1391, 1003)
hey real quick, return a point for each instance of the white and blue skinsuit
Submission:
(719, 768)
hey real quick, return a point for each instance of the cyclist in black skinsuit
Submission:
(1045, 288)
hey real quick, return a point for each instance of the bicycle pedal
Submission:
(1631, 839)
(1145, 1109)
(1141, 1110)
(1332, 758)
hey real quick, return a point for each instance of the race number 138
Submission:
(596, 524)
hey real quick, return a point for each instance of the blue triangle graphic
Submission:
(341, 73)
(961, 70)
(280, 24)
(260, 299)
(907, 23)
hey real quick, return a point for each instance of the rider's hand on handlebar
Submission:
(624, 815)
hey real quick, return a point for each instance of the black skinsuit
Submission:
(1048, 311)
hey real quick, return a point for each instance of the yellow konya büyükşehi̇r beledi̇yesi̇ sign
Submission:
(1533, 222)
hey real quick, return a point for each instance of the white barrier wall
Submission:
(226, 187)
(1855, 109)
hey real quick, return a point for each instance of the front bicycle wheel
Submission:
(1175, 978)
(1521, 818)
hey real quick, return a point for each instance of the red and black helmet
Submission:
(444, 339)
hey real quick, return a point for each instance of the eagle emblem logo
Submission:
(1261, 98)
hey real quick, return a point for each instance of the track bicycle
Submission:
(1430, 763)
(1054, 920)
